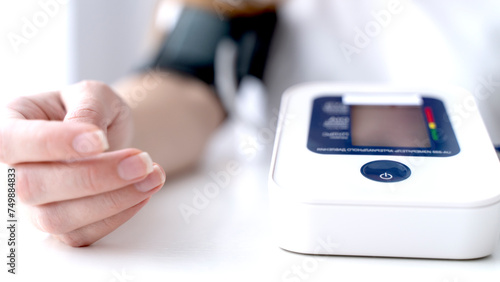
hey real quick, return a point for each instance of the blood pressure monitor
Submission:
(384, 171)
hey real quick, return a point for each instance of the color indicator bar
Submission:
(429, 114)
(431, 123)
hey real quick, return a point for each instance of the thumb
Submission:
(88, 102)
(96, 103)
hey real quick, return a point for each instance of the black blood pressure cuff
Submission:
(253, 36)
(191, 47)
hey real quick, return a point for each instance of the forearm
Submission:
(173, 115)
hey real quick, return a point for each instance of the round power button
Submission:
(386, 171)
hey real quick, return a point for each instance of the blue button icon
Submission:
(386, 171)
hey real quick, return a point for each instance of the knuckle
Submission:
(89, 108)
(16, 102)
(3, 152)
(25, 189)
(104, 90)
(92, 85)
(90, 180)
(113, 202)
(110, 223)
(85, 113)
(48, 219)
(6, 153)
(74, 239)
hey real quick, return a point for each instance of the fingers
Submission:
(40, 140)
(82, 120)
(43, 106)
(89, 234)
(40, 183)
(53, 218)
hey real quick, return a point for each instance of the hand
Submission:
(73, 188)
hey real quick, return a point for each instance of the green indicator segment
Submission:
(434, 135)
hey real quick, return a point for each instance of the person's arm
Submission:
(173, 116)
(77, 168)
(80, 154)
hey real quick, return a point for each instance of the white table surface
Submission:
(228, 240)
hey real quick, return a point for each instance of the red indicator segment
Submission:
(431, 123)
(429, 115)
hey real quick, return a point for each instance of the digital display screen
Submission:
(422, 130)
(389, 126)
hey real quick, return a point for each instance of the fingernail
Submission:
(135, 166)
(153, 180)
(90, 142)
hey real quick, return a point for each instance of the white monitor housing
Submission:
(384, 171)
